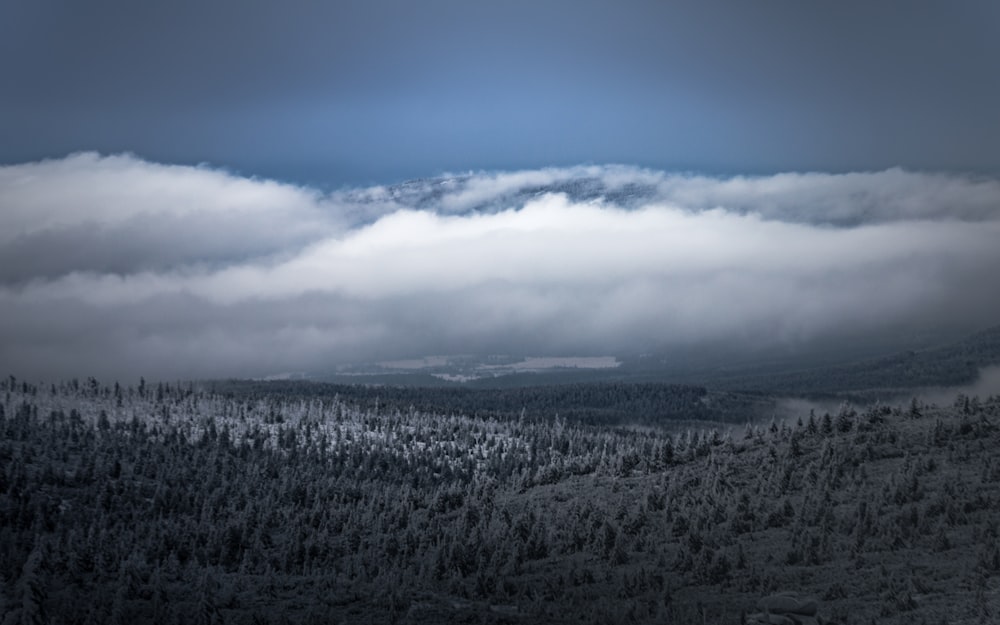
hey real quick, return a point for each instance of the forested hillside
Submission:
(169, 504)
(596, 403)
(889, 373)
(955, 364)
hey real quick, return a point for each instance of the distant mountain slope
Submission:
(950, 365)
(953, 364)
(432, 193)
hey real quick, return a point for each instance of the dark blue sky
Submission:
(352, 93)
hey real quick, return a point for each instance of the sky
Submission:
(209, 189)
(352, 93)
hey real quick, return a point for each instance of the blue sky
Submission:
(354, 93)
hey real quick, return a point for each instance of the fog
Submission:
(987, 384)
(115, 266)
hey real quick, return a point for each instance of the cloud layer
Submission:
(118, 266)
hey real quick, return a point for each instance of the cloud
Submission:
(119, 214)
(117, 266)
(842, 199)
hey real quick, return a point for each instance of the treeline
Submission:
(599, 403)
(171, 504)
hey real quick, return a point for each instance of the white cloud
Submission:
(848, 199)
(118, 213)
(238, 276)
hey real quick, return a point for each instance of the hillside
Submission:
(596, 403)
(171, 505)
(884, 370)
(953, 364)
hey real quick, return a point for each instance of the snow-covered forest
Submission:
(173, 503)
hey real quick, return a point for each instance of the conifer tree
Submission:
(30, 608)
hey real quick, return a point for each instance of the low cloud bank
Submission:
(117, 266)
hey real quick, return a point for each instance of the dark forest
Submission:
(173, 504)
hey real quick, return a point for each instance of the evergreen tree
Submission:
(30, 609)
(207, 610)
(812, 428)
(827, 424)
